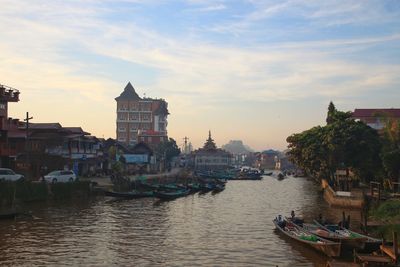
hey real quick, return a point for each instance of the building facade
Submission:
(9, 132)
(267, 159)
(375, 118)
(140, 118)
(210, 157)
(53, 147)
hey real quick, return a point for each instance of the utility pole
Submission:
(27, 119)
(185, 148)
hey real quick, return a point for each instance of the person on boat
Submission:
(296, 220)
(280, 221)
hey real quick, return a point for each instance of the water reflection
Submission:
(232, 228)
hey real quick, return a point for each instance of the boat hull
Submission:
(348, 242)
(166, 195)
(329, 248)
(363, 242)
(130, 194)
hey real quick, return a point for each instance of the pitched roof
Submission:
(128, 93)
(43, 126)
(76, 130)
(372, 112)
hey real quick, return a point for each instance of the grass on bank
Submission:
(27, 191)
(387, 212)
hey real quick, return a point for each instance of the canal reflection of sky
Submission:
(231, 228)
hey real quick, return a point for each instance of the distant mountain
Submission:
(237, 147)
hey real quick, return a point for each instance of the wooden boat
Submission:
(218, 188)
(130, 194)
(297, 233)
(367, 243)
(147, 186)
(194, 187)
(169, 195)
(280, 176)
(348, 240)
(207, 187)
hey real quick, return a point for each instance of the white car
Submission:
(60, 176)
(9, 175)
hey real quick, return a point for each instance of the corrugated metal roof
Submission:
(53, 126)
(372, 112)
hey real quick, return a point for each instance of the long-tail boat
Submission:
(129, 194)
(171, 194)
(296, 232)
(366, 243)
(348, 239)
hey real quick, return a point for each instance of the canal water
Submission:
(231, 228)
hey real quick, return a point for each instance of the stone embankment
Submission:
(350, 200)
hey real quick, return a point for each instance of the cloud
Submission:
(196, 76)
(209, 8)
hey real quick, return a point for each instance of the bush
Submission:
(25, 191)
(387, 211)
(69, 190)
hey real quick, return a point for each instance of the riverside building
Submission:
(140, 119)
(210, 157)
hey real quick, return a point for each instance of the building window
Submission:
(121, 129)
(134, 106)
(146, 126)
(145, 117)
(133, 116)
(134, 127)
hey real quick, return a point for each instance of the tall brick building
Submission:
(140, 119)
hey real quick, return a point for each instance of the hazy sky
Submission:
(251, 70)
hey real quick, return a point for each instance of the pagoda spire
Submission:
(209, 145)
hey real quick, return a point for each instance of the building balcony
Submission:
(8, 94)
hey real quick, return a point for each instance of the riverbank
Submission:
(20, 192)
(15, 194)
(349, 200)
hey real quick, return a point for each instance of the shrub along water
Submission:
(27, 191)
(388, 212)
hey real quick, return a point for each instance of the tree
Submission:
(168, 149)
(342, 143)
(112, 153)
(390, 153)
(331, 112)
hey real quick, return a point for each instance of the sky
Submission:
(256, 71)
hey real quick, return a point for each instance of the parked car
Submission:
(60, 176)
(9, 175)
